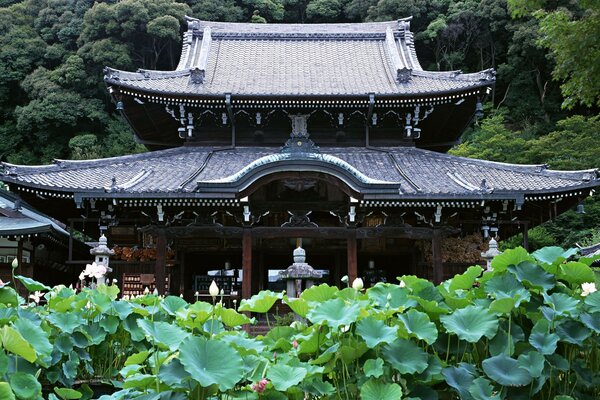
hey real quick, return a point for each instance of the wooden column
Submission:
(526, 236)
(161, 258)
(352, 257)
(436, 250)
(247, 263)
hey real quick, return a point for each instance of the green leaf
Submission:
(110, 324)
(5, 392)
(232, 318)
(471, 323)
(163, 334)
(32, 285)
(174, 374)
(460, 378)
(67, 394)
(533, 275)
(211, 362)
(417, 324)
(8, 295)
(396, 297)
(35, 336)
(506, 371)
(542, 340)
(502, 306)
(172, 304)
(25, 386)
(137, 358)
(572, 331)
(139, 381)
(299, 306)
(405, 356)
(376, 390)
(15, 343)
(592, 321)
(375, 331)
(550, 254)
(112, 291)
(561, 303)
(334, 312)
(67, 322)
(482, 389)
(260, 303)
(506, 286)
(533, 362)
(319, 293)
(121, 309)
(466, 280)
(576, 273)
(373, 367)
(592, 301)
(510, 257)
(284, 376)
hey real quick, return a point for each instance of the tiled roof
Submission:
(400, 172)
(298, 59)
(18, 218)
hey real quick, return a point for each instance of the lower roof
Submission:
(397, 173)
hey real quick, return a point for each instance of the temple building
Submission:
(269, 133)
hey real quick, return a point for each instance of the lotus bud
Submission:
(155, 292)
(402, 284)
(181, 295)
(15, 263)
(358, 284)
(146, 291)
(213, 290)
(114, 281)
(295, 344)
(345, 279)
(588, 288)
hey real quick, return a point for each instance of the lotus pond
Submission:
(528, 329)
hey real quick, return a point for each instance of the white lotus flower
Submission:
(155, 292)
(126, 297)
(402, 284)
(588, 288)
(358, 284)
(146, 291)
(36, 296)
(213, 290)
(344, 279)
(82, 275)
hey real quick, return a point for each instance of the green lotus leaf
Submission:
(111, 291)
(533, 362)
(572, 331)
(505, 285)
(232, 318)
(376, 390)
(199, 312)
(482, 389)
(67, 394)
(319, 293)
(533, 275)
(25, 386)
(432, 307)
(260, 303)
(592, 321)
(460, 378)
(326, 355)
(375, 331)
(592, 302)
(211, 362)
(576, 273)
(163, 334)
(502, 306)
(67, 322)
(110, 324)
(139, 381)
(563, 397)
(471, 323)
(8, 295)
(352, 349)
(545, 343)
(562, 304)
(510, 257)
(137, 358)
(432, 372)
(131, 326)
(394, 296)
(174, 374)
(373, 367)
(243, 343)
(35, 336)
(5, 392)
(552, 254)
(506, 371)
(405, 356)
(499, 344)
(335, 313)
(317, 387)
(94, 333)
(121, 309)
(13, 342)
(172, 304)
(31, 284)
(417, 324)
(299, 306)
(3, 363)
(284, 376)
(465, 281)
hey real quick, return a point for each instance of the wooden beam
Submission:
(161, 258)
(247, 263)
(436, 249)
(352, 257)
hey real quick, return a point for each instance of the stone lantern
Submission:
(102, 256)
(491, 253)
(298, 273)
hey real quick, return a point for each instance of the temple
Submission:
(270, 133)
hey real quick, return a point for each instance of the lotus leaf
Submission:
(471, 323)
(67, 394)
(405, 356)
(393, 296)
(375, 331)
(137, 358)
(482, 389)
(284, 376)
(25, 386)
(260, 303)
(31, 284)
(553, 254)
(299, 306)
(460, 378)
(139, 381)
(319, 293)
(572, 331)
(211, 362)
(510, 257)
(174, 374)
(562, 304)
(592, 301)
(5, 392)
(541, 339)
(163, 334)
(592, 321)
(35, 336)
(15, 343)
(533, 362)
(417, 324)
(533, 275)
(576, 273)
(335, 313)
(466, 280)
(67, 322)
(373, 367)
(506, 371)
(502, 306)
(110, 324)
(376, 390)
(172, 304)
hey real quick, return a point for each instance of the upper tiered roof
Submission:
(313, 60)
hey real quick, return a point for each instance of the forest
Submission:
(544, 108)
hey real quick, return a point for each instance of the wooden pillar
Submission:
(526, 236)
(352, 257)
(161, 258)
(436, 250)
(70, 254)
(182, 261)
(247, 263)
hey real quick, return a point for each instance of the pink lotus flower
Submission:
(295, 344)
(2, 284)
(260, 386)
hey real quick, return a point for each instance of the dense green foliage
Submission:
(53, 103)
(528, 329)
